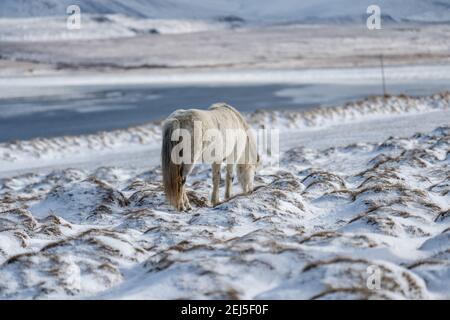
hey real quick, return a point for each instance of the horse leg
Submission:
(229, 181)
(245, 174)
(250, 185)
(187, 205)
(180, 201)
(216, 182)
(187, 168)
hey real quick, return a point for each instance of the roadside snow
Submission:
(368, 120)
(369, 75)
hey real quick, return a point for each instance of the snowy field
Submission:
(155, 34)
(346, 196)
(249, 48)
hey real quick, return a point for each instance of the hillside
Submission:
(250, 10)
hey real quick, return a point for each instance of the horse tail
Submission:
(171, 171)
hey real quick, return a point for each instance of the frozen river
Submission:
(73, 110)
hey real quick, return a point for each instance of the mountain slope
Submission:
(251, 10)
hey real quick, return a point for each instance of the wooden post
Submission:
(382, 76)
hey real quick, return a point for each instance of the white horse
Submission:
(207, 136)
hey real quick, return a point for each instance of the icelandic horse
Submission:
(219, 134)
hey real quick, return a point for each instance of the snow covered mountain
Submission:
(45, 20)
(287, 11)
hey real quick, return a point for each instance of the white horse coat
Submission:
(206, 136)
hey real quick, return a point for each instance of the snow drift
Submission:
(150, 134)
(310, 230)
(313, 228)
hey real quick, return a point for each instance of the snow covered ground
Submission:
(362, 188)
(346, 197)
